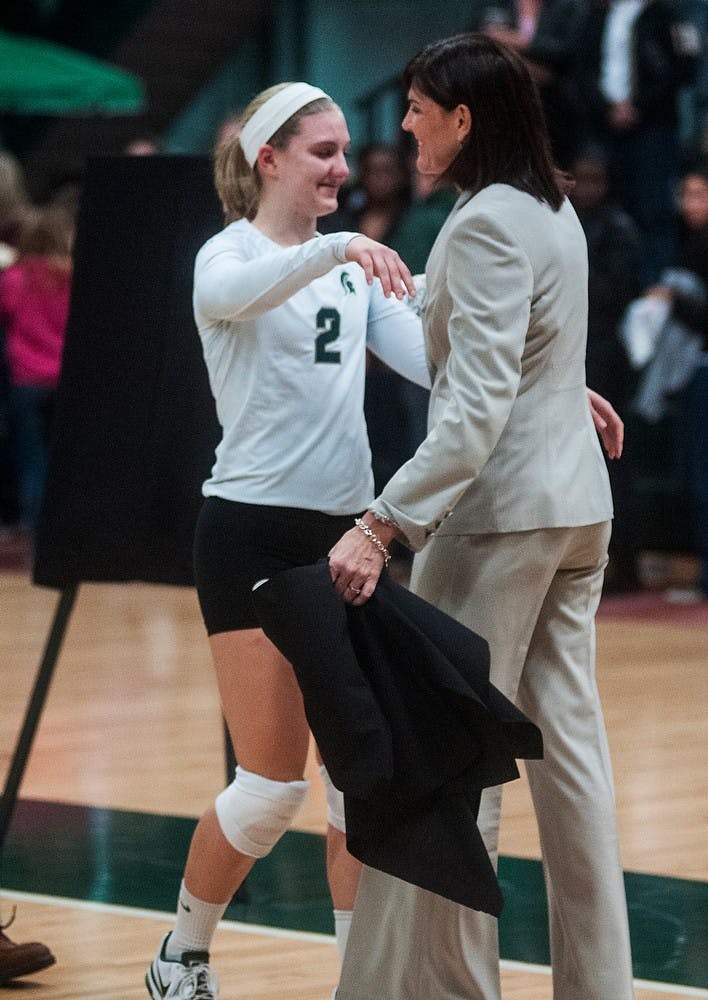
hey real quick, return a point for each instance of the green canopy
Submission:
(38, 77)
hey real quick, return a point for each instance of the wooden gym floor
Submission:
(129, 752)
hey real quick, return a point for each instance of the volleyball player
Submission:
(285, 317)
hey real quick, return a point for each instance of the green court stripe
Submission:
(135, 860)
(668, 920)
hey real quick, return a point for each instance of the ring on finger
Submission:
(354, 590)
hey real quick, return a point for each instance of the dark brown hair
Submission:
(508, 142)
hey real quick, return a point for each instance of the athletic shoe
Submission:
(186, 978)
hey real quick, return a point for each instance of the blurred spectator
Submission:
(379, 197)
(413, 238)
(666, 331)
(693, 402)
(614, 258)
(695, 99)
(9, 502)
(418, 227)
(15, 212)
(634, 60)
(15, 206)
(34, 304)
(546, 33)
(693, 210)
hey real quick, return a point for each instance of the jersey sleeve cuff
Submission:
(341, 243)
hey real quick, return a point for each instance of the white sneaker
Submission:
(188, 978)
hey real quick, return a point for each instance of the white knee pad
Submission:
(254, 812)
(335, 802)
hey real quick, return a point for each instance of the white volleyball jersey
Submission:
(284, 332)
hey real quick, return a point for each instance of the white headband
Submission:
(274, 113)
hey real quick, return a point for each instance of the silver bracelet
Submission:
(374, 539)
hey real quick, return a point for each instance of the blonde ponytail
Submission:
(237, 186)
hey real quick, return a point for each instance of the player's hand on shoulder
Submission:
(380, 261)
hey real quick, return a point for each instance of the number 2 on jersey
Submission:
(327, 333)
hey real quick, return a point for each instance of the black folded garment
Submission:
(398, 698)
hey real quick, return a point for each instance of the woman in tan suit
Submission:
(509, 501)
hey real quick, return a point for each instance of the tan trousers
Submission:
(533, 595)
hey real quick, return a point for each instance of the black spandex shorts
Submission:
(238, 544)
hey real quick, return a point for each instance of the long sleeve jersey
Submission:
(284, 332)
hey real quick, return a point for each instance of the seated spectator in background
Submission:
(34, 306)
(614, 258)
(545, 33)
(634, 60)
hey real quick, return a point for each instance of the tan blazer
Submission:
(511, 444)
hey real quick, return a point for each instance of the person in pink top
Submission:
(34, 307)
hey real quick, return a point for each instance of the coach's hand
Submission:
(608, 424)
(355, 562)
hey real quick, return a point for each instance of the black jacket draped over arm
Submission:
(398, 698)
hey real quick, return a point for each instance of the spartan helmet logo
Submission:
(347, 283)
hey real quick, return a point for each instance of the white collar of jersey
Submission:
(274, 113)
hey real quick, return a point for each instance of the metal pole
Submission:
(34, 708)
